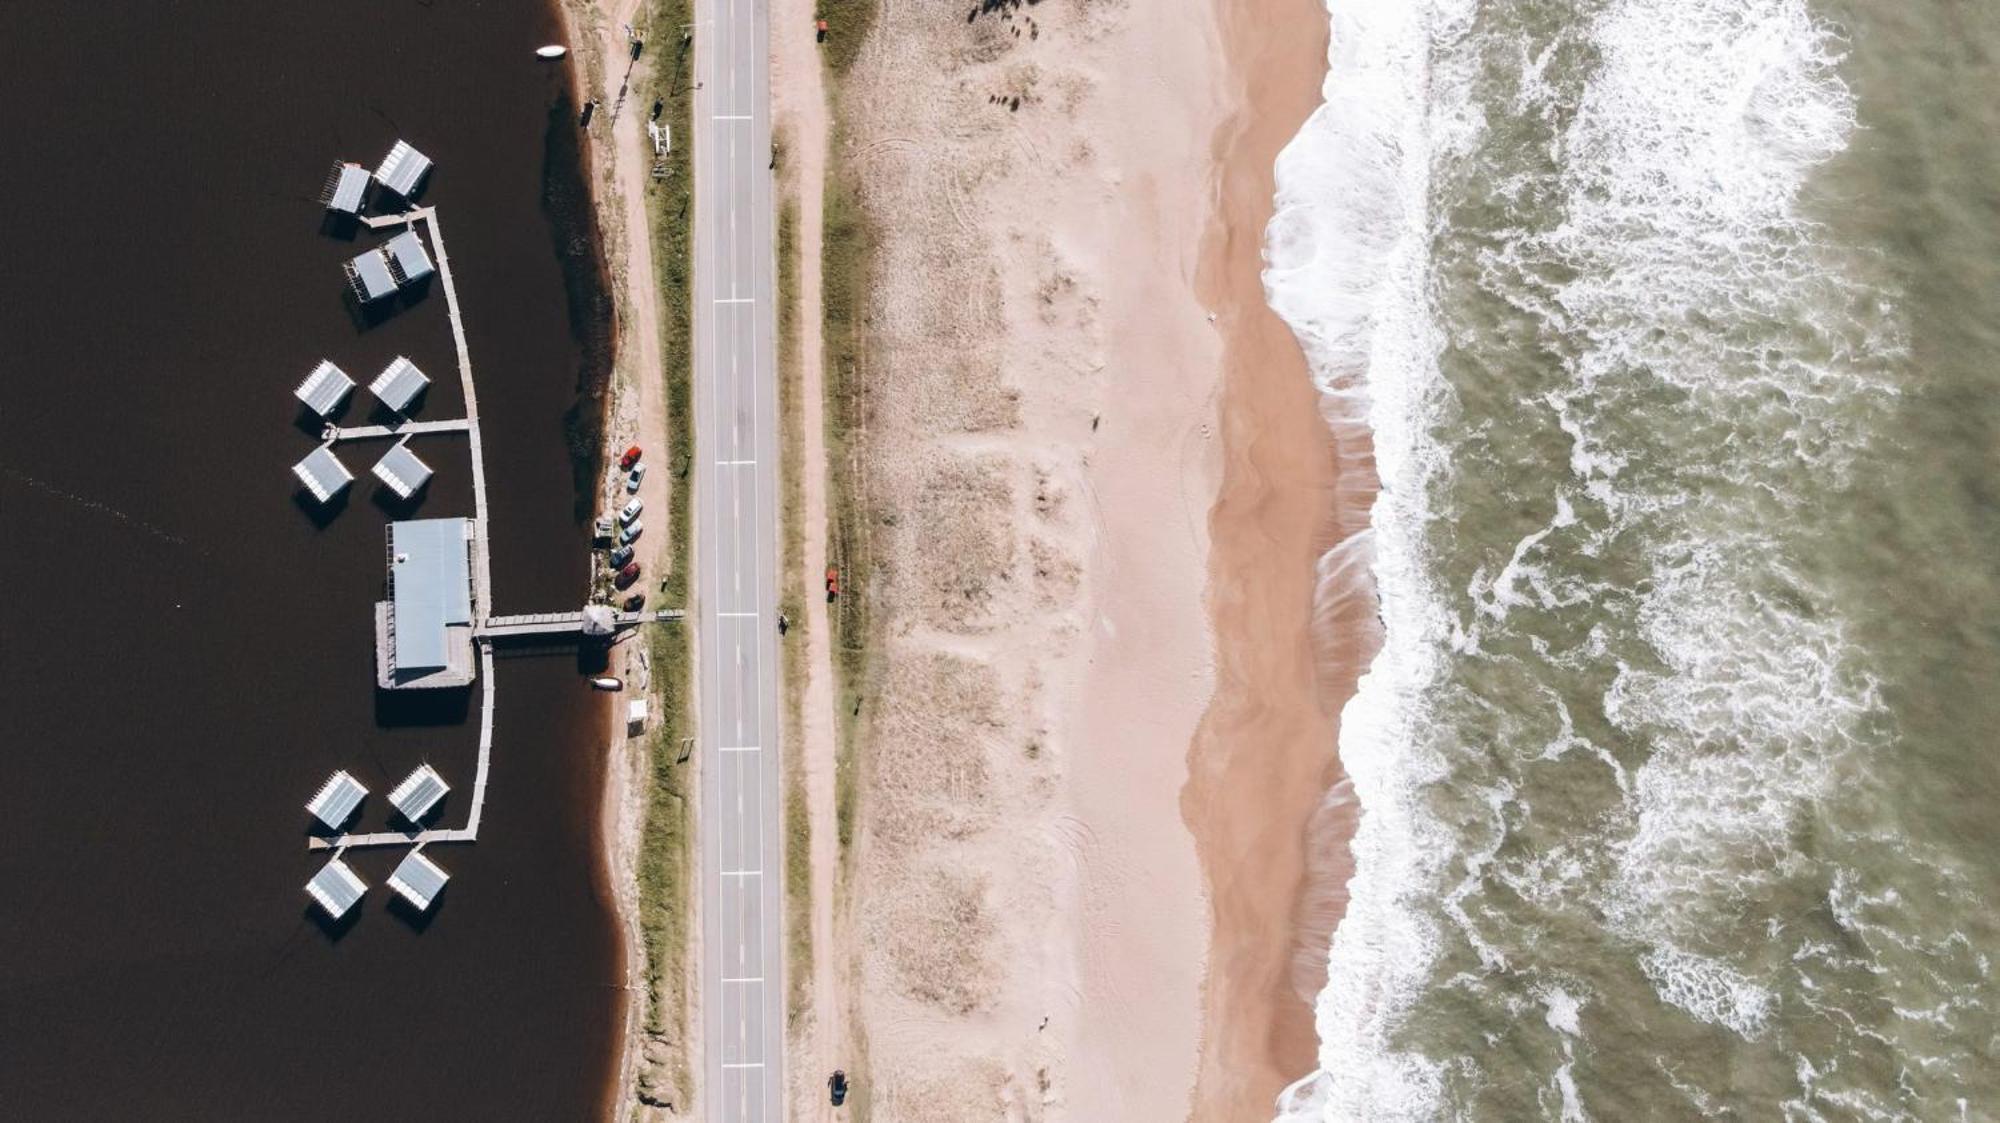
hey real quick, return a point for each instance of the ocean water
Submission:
(1677, 328)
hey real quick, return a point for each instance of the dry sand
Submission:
(1044, 456)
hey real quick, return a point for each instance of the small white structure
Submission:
(399, 384)
(324, 389)
(418, 880)
(635, 716)
(369, 276)
(337, 800)
(403, 169)
(336, 888)
(408, 258)
(345, 189)
(419, 794)
(323, 474)
(401, 471)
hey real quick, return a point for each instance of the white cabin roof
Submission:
(337, 799)
(401, 471)
(336, 888)
(325, 388)
(418, 880)
(370, 276)
(346, 188)
(408, 257)
(419, 793)
(322, 473)
(403, 168)
(399, 384)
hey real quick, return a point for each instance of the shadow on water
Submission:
(420, 707)
(322, 515)
(395, 506)
(338, 226)
(573, 230)
(333, 930)
(418, 919)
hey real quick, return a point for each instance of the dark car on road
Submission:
(620, 556)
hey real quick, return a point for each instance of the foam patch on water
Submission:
(1679, 245)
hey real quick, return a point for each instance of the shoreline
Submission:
(1264, 796)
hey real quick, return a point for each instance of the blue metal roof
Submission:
(406, 252)
(431, 571)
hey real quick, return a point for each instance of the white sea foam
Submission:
(1347, 269)
(1683, 163)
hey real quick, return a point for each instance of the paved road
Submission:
(736, 443)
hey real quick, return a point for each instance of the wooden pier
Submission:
(334, 434)
(563, 623)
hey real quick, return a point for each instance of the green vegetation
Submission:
(846, 258)
(791, 593)
(847, 22)
(666, 855)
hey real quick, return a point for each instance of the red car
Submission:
(630, 458)
(832, 582)
(628, 575)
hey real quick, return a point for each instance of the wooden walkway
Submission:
(334, 434)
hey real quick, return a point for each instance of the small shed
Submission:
(635, 716)
(418, 880)
(401, 471)
(345, 189)
(418, 795)
(408, 257)
(322, 473)
(369, 276)
(337, 800)
(399, 384)
(325, 388)
(403, 169)
(336, 888)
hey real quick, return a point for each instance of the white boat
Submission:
(608, 683)
(551, 51)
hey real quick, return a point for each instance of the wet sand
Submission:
(1264, 759)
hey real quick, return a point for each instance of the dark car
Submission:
(628, 575)
(620, 556)
(836, 1086)
(635, 602)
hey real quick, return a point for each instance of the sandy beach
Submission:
(1058, 425)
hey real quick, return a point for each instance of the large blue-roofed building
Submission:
(423, 632)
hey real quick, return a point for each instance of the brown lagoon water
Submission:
(187, 651)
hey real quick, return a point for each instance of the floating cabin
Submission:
(324, 389)
(322, 473)
(346, 188)
(407, 258)
(418, 880)
(337, 800)
(370, 277)
(423, 632)
(399, 384)
(401, 471)
(336, 888)
(403, 169)
(419, 793)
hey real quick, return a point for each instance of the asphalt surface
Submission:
(736, 511)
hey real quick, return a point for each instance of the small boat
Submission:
(551, 51)
(606, 682)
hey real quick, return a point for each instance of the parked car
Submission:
(620, 556)
(635, 602)
(630, 458)
(832, 582)
(631, 533)
(631, 510)
(836, 1087)
(632, 481)
(627, 575)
